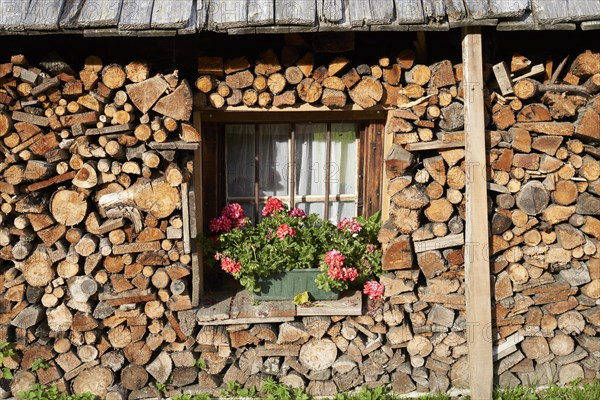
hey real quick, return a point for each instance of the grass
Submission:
(272, 390)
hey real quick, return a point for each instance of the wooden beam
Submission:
(477, 265)
(195, 220)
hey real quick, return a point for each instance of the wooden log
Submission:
(367, 93)
(178, 104)
(113, 76)
(398, 254)
(309, 90)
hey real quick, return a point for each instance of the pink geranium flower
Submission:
(220, 224)
(350, 225)
(285, 230)
(272, 207)
(334, 258)
(297, 213)
(373, 289)
(343, 274)
(231, 266)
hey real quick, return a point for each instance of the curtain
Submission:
(310, 158)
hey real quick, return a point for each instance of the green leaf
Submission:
(301, 298)
(7, 374)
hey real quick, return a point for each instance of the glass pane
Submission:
(340, 210)
(273, 153)
(310, 208)
(310, 156)
(344, 159)
(239, 142)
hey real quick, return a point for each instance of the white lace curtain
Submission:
(270, 143)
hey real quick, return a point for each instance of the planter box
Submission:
(286, 285)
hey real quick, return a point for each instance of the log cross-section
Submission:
(477, 268)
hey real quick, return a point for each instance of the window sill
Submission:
(227, 308)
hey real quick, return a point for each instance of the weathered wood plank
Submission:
(70, 13)
(261, 12)
(348, 304)
(215, 307)
(409, 12)
(455, 9)
(360, 12)
(185, 214)
(172, 14)
(382, 11)
(226, 14)
(553, 11)
(136, 14)
(528, 23)
(477, 265)
(478, 9)
(508, 9)
(196, 221)
(43, 14)
(243, 306)
(202, 14)
(12, 14)
(332, 10)
(434, 145)
(295, 12)
(99, 14)
(590, 25)
(434, 10)
(440, 243)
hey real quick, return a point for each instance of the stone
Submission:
(508, 380)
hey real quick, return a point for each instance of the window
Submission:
(329, 167)
(314, 167)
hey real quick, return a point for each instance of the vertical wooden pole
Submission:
(196, 218)
(477, 264)
(388, 141)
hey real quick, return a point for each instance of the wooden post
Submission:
(195, 220)
(477, 264)
(388, 142)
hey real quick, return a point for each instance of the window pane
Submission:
(310, 157)
(273, 153)
(340, 210)
(310, 208)
(240, 160)
(344, 159)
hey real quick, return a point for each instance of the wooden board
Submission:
(43, 14)
(411, 12)
(185, 214)
(214, 307)
(434, 10)
(71, 10)
(455, 9)
(12, 14)
(554, 11)
(332, 11)
(507, 9)
(243, 306)
(477, 265)
(349, 303)
(136, 14)
(196, 218)
(434, 145)
(261, 12)
(388, 141)
(293, 12)
(172, 14)
(99, 14)
(226, 14)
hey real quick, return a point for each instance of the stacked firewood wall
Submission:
(95, 247)
(544, 201)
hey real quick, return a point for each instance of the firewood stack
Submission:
(289, 78)
(544, 192)
(95, 249)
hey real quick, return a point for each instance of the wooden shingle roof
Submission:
(172, 17)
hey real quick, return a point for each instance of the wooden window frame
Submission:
(211, 157)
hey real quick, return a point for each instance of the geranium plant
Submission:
(347, 254)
